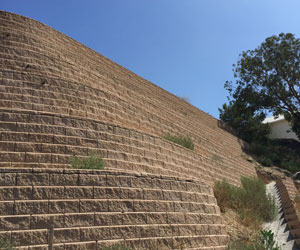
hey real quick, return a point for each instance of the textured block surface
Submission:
(58, 99)
(121, 212)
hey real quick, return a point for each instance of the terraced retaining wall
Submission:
(94, 208)
(59, 98)
(52, 85)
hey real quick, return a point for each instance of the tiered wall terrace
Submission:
(95, 208)
(57, 99)
(48, 73)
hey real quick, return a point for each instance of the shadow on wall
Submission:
(229, 129)
(226, 127)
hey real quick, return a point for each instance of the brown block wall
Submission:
(95, 208)
(43, 140)
(59, 98)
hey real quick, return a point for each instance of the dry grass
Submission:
(250, 201)
(183, 141)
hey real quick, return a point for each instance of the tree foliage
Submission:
(246, 121)
(267, 80)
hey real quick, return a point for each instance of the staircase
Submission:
(287, 192)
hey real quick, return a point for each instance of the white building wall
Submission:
(279, 130)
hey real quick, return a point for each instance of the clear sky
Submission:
(184, 46)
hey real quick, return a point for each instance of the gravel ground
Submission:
(279, 226)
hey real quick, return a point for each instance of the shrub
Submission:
(92, 162)
(267, 162)
(183, 141)
(224, 193)
(291, 165)
(240, 245)
(258, 149)
(5, 245)
(265, 242)
(250, 200)
(184, 98)
(277, 153)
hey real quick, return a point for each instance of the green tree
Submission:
(246, 122)
(267, 79)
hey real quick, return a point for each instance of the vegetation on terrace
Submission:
(5, 244)
(264, 242)
(284, 154)
(94, 161)
(253, 207)
(181, 140)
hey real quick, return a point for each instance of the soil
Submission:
(237, 231)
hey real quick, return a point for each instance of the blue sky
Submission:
(184, 46)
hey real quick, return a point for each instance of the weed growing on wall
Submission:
(250, 201)
(183, 141)
(5, 245)
(184, 98)
(92, 162)
(216, 158)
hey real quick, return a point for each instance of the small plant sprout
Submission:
(94, 161)
(5, 244)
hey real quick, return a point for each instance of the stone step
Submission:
(297, 242)
(293, 224)
(295, 233)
